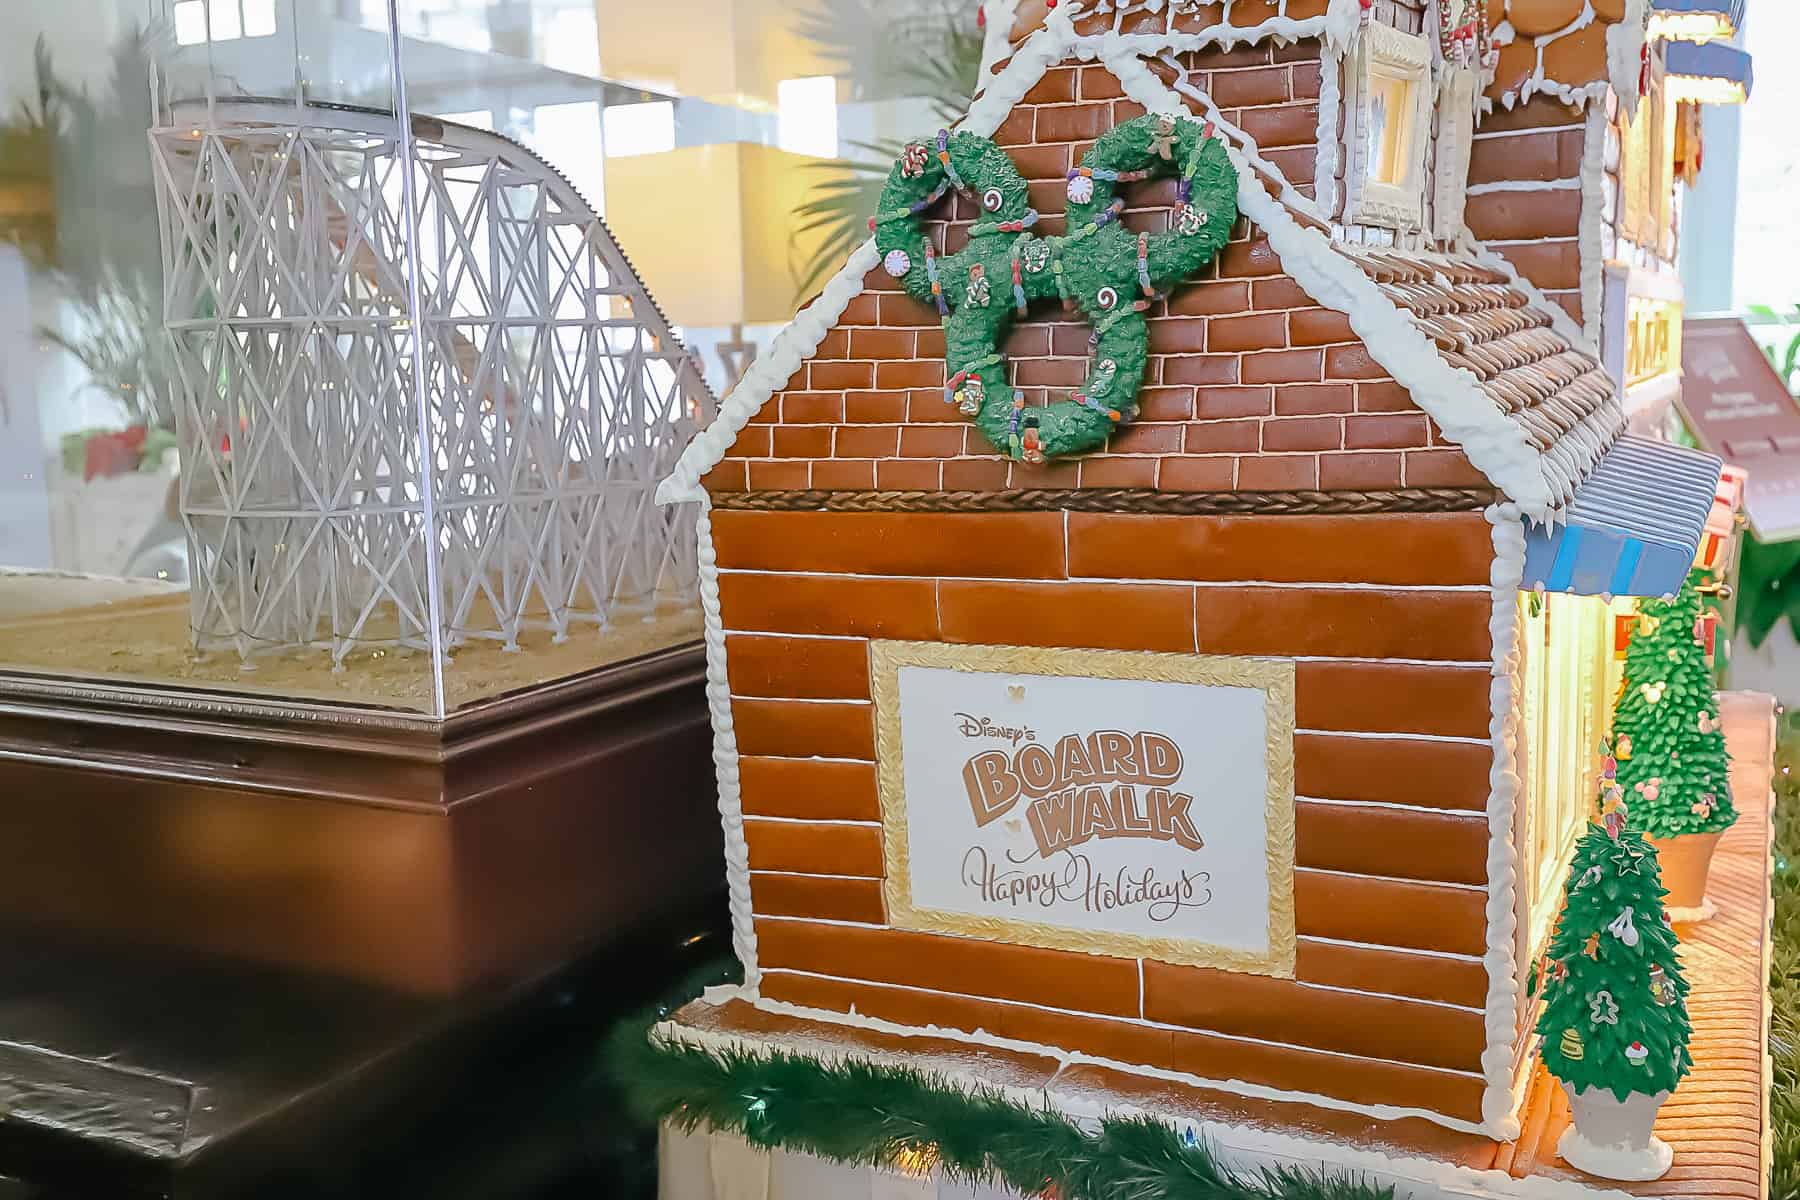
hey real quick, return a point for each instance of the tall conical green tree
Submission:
(1673, 764)
(1615, 1002)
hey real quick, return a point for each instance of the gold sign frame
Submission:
(1273, 677)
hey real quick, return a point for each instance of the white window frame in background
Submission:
(199, 21)
(1384, 53)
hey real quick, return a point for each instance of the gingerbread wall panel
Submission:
(1389, 614)
(1525, 197)
(1251, 384)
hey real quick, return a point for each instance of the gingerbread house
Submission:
(1234, 748)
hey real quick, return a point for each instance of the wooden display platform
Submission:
(423, 854)
(1717, 1122)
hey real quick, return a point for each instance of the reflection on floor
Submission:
(104, 631)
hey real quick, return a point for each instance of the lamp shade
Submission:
(710, 229)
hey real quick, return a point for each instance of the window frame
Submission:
(1385, 53)
(1564, 669)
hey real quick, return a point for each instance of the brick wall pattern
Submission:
(1251, 384)
(1388, 619)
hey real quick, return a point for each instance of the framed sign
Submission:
(1112, 802)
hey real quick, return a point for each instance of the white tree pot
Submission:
(1611, 1138)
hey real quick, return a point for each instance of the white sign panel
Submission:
(1121, 803)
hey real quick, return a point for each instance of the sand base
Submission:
(147, 640)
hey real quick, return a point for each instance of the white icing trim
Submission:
(1343, 23)
(1625, 53)
(800, 339)
(995, 43)
(725, 756)
(1593, 217)
(1500, 1102)
(1451, 395)
(1524, 185)
(1242, 1146)
(1067, 1058)
(1331, 120)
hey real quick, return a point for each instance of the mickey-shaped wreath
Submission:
(1111, 274)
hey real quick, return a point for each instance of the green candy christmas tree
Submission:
(1615, 1025)
(1673, 765)
(1615, 1012)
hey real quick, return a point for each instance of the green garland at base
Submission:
(901, 1119)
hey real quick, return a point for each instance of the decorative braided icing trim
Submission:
(1119, 500)
(1500, 1100)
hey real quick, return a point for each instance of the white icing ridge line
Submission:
(801, 337)
(1500, 1102)
(725, 757)
(1451, 395)
(1331, 120)
(995, 44)
(1290, 195)
(1068, 1058)
(1593, 214)
(1250, 1146)
(1283, 30)
(1625, 54)
(1525, 185)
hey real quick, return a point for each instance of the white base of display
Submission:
(1682, 916)
(1611, 1138)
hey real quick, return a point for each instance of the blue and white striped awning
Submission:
(1633, 527)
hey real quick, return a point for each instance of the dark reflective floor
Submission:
(127, 1072)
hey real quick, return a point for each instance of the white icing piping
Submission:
(1140, 1019)
(1499, 1103)
(1068, 1058)
(1282, 30)
(1451, 395)
(1593, 214)
(1625, 53)
(1246, 145)
(1524, 185)
(1331, 117)
(1248, 1145)
(1560, 320)
(725, 757)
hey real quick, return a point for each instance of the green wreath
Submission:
(1108, 272)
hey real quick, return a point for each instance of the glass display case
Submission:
(343, 342)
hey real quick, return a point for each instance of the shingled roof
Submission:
(1483, 322)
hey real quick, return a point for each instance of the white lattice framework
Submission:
(555, 394)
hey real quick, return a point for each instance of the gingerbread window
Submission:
(1392, 129)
